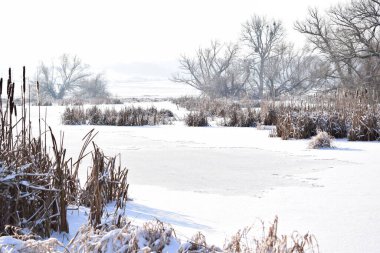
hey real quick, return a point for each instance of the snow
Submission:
(220, 179)
(151, 89)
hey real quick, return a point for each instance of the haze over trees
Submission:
(342, 51)
(70, 77)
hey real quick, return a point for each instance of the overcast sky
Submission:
(109, 33)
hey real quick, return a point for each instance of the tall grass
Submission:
(343, 114)
(37, 185)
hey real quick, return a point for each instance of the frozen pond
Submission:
(218, 180)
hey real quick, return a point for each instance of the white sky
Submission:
(106, 33)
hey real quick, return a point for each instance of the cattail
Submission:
(23, 80)
(1, 86)
(15, 109)
(11, 107)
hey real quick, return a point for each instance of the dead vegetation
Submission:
(196, 119)
(36, 185)
(352, 115)
(341, 114)
(232, 113)
(321, 140)
(246, 241)
(155, 236)
(123, 237)
(50, 245)
(127, 116)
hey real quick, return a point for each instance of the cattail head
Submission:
(23, 80)
(11, 107)
(9, 76)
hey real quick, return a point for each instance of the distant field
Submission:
(150, 89)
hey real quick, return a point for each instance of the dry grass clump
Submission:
(237, 117)
(196, 119)
(127, 116)
(153, 236)
(321, 140)
(198, 244)
(245, 241)
(365, 124)
(294, 125)
(104, 185)
(268, 114)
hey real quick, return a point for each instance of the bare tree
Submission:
(216, 71)
(290, 71)
(320, 34)
(262, 37)
(57, 81)
(348, 36)
(358, 27)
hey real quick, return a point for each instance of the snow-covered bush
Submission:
(321, 140)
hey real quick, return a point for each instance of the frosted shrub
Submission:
(321, 140)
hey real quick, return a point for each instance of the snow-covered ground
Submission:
(219, 179)
(150, 89)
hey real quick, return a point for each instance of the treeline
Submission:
(342, 51)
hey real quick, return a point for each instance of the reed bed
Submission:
(36, 185)
(354, 115)
(127, 116)
(232, 113)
